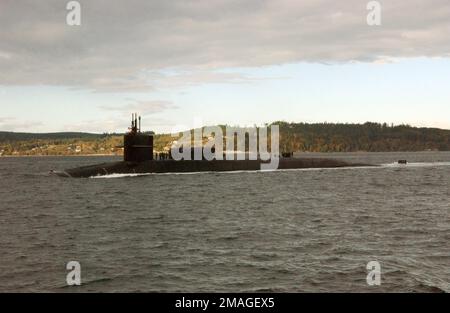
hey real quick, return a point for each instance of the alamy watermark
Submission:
(374, 16)
(73, 278)
(373, 278)
(241, 144)
(374, 275)
(73, 17)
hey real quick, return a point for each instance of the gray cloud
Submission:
(15, 124)
(100, 125)
(129, 45)
(110, 125)
(143, 107)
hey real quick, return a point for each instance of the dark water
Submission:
(293, 231)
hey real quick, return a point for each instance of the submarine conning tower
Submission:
(138, 147)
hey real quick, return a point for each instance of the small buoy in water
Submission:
(402, 162)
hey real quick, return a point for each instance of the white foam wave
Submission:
(120, 175)
(417, 164)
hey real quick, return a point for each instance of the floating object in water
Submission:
(403, 162)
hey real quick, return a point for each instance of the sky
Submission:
(182, 64)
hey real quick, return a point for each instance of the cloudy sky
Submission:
(181, 63)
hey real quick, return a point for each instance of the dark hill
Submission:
(12, 136)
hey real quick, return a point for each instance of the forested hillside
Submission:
(319, 137)
(356, 137)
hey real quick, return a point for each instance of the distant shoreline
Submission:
(296, 154)
(69, 155)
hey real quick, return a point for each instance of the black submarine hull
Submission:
(185, 166)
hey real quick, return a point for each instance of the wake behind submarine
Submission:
(139, 159)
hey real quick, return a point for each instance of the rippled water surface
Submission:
(291, 231)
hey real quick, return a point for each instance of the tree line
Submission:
(304, 137)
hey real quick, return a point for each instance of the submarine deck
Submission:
(185, 166)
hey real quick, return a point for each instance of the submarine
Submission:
(139, 159)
